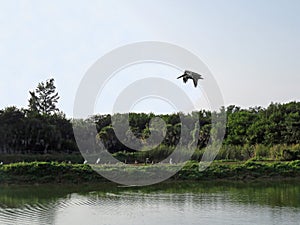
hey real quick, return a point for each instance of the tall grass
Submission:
(226, 152)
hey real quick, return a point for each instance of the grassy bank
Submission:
(47, 172)
(240, 170)
(53, 157)
(54, 172)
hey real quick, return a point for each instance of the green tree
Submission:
(44, 99)
(238, 123)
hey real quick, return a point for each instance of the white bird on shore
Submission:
(98, 161)
(85, 162)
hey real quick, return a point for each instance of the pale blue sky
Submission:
(251, 47)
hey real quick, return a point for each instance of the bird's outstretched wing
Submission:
(181, 76)
(195, 81)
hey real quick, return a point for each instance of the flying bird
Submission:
(190, 75)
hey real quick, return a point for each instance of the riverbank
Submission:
(54, 172)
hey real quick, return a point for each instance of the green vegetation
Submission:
(241, 170)
(53, 172)
(75, 158)
(43, 133)
(272, 133)
(43, 100)
(40, 129)
(47, 172)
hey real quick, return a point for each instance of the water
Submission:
(167, 204)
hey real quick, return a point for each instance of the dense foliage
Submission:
(272, 132)
(23, 132)
(41, 128)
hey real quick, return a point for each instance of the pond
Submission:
(276, 202)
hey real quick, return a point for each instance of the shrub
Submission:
(230, 152)
(261, 151)
(247, 152)
(276, 152)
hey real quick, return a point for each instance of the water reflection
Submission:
(173, 203)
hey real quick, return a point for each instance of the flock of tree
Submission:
(43, 128)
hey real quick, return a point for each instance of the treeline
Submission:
(277, 124)
(41, 128)
(249, 132)
(26, 133)
(272, 132)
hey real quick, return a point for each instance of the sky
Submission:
(252, 48)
